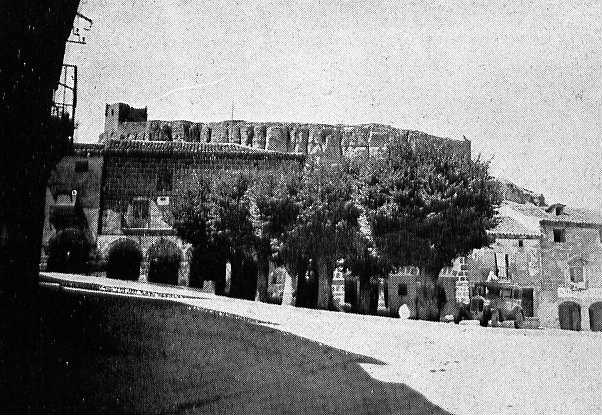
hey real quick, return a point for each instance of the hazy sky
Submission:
(522, 80)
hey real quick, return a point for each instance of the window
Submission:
(501, 265)
(81, 166)
(402, 290)
(520, 243)
(559, 235)
(527, 301)
(164, 180)
(576, 273)
(477, 304)
(140, 213)
(558, 210)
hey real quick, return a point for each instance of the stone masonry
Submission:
(330, 141)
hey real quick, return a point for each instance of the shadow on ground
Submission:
(103, 353)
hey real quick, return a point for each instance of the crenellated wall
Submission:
(323, 140)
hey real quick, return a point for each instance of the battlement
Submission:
(331, 141)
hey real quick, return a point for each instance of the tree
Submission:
(328, 220)
(426, 205)
(232, 229)
(69, 251)
(275, 211)
(192, 219)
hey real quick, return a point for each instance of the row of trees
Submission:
(414, 205)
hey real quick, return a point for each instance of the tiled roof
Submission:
(190, 148)
(511, 227)
(85, 149)
(576, 215)
(569, 215)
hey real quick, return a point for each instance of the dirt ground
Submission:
(207, 354)
(107, 353)
(466, 368)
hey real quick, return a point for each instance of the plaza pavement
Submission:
(464, 369)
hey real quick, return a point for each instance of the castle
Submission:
(123, 122)
(117, 195)
(110, 203)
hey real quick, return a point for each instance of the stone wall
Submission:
(137, 171)
(81, 172)
(323, 140)
(524, 261)
(582, 244)
(145, 242)
(542, 264)
(512, 192)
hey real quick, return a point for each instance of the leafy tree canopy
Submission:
(328, 219)
(426, 205)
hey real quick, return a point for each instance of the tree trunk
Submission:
(364, 300)
(236, 280)
(427, 305)
(324, 283)
(289, 293)
(228, 279)
(263, 269)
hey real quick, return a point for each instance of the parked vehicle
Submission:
(495, 301)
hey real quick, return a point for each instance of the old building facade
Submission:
(123, 202)
(555, 254)
(125, 187)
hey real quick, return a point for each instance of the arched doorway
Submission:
(569, 314)
(595, 316)
(243, 283)
(249, 279)
(123, 260)
(68, 252)
(207, 265)
(307, 284)
(164, 262)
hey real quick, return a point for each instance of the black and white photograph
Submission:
(301, 207)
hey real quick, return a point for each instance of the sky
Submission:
(521, 79)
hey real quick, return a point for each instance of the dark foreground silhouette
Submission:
(118, 354)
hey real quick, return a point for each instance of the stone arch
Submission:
(68, 252)
(569, 315)
(123, 260)
(206, 265)
(595, 316)
(164, 259)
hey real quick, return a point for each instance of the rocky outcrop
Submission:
(514, 193)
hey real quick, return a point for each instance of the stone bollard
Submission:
(338, 289)
(208, 287)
